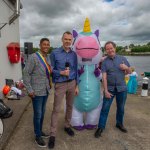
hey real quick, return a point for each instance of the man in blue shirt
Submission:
(64, 68)
(114, 68)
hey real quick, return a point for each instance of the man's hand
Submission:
(108, 94)
(32, 95)
(76, 90)
(65, 72)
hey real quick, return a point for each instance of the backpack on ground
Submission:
(5, 111)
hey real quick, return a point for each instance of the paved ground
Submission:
(18, 107)
(137, 121)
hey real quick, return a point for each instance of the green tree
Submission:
(119, 48)
(131, 45)
(139, 48)
(103, 50)
(50, 49)
(35, 49)
(148, 43)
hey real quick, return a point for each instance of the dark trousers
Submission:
(120, 101)
(39, 105)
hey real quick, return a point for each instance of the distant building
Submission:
(127, 49)
(9, 33)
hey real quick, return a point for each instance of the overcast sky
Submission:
(122, 21)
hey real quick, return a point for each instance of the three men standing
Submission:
(65, 77)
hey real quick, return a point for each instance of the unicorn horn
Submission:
(87, 27)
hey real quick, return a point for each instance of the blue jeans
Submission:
(39, 105)
(120, 100)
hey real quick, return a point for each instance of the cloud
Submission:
(108, 0)
(123, 21)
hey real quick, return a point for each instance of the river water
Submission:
(141, 64)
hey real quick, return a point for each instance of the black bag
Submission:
(5, 111)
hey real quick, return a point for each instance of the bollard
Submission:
(144, 91)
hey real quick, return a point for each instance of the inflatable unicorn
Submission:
(87, 104)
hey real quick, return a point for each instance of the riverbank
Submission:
(135, 54)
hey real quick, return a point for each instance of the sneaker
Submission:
(43, 135)
(51, 142)
(69, 131)
(40, 142)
